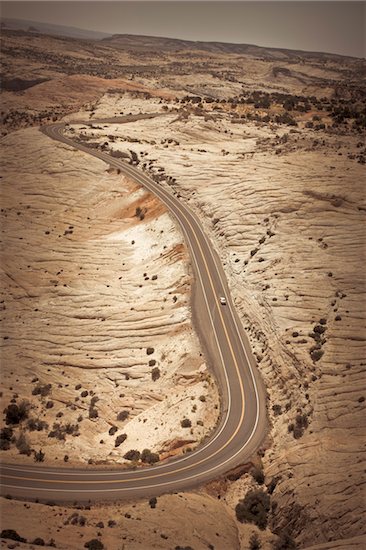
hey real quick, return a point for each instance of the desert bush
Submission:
(316, 354)
(39, 456)
(254, 508)
(35, 424)
(112, 523)
(5, 438)
(257, 475)
(59, 431)
(43, 391)
(120, 439)
(14, 414)
(148, 457)
(94, 544)
(186, 423)
(277, 409)
(12, 535)
(149, 351)
(112, 430)
(123, 415)
(22, 445)
(39, 542)
(285, 542)
(155, 374)
(254, 542)
(93, 412)
(153, 501)
(132, 455)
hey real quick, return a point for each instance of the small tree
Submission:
(16, 413)
(254, 508)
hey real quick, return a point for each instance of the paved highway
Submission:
(243, 416)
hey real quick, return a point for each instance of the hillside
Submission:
(268, 147)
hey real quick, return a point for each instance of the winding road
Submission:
(243, 416)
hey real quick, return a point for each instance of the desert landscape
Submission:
(102, 361)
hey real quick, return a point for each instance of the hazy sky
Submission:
(328, 26)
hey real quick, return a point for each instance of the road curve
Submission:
(243, 416)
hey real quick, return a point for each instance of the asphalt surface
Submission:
(242, 424)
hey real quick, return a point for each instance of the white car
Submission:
(223, 300)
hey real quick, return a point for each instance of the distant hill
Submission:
(50, 28)
(149, 43)
(140, 43)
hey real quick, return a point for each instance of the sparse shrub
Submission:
(202, 398)
(22, 445)
(35, 424)
(155, 374)
(111, 523)
(43, 391)
(112, 430)
(94, 544)
(39, 456)
(254, 542)
(152, 363)
(186, 423)
(120, 439)
(59, 431)
(148, 457)
(316, 354)
(14, 414)
(39, 541)
(254, 508)
(285, 542)
(277, 410)
(132, 455)
(12, 535)
(123, 415)
(153, 501)
(5, 438)
(93, 412)
(149, 351)
(257, 475)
